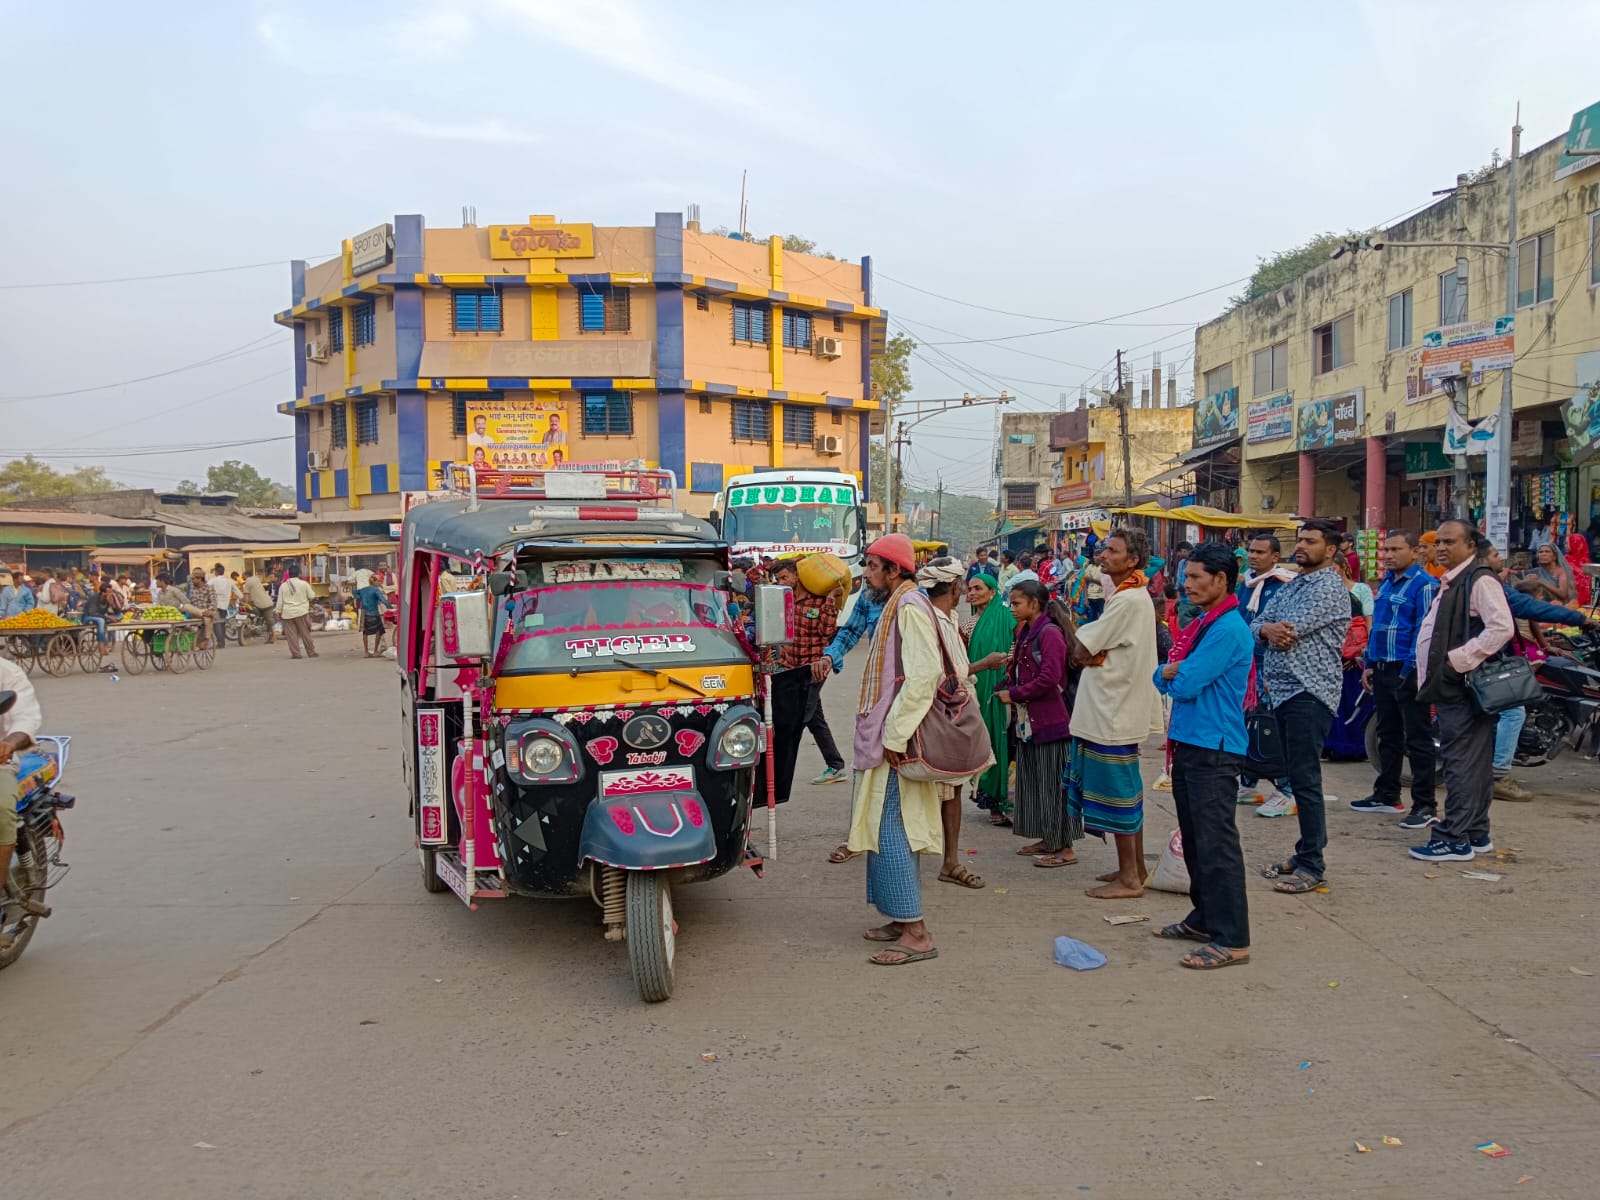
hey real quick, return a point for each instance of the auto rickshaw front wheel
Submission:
(430, 870)
(652, 934)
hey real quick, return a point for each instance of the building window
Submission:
(750, 323)
(605, 311)
(458, 415)
(1400, 320)
(705, 404)
(341, 430)
(1333, 344)
(1020, 497)
(1594, 245)
(1536, 269)
(366, 422)
(366, 322)
(336, 330)
(1269, 369)
(838, 324)
(799, 425)
(607, 414)
(838, 417)
(475, 312)
(702, 302)
(796, 330)
(752, 421)
(1452, 298)
(1218, 380)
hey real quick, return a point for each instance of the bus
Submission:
(781, 512)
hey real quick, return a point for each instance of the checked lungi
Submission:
(1105, 786)
(892, 884)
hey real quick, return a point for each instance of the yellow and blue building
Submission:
(704, 354)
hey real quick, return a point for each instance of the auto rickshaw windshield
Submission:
(586, 614)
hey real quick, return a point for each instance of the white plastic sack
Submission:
(1171, 874)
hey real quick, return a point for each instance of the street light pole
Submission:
(1497, 472)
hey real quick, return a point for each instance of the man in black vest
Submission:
(1468, 623)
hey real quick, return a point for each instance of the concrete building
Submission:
(541, 343)
(1320, 386)
(1089, 443)
(1026, 468)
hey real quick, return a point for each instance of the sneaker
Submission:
(831, 775)
(1486, 846)
(1278, 805)
(1419, 818)
(1509, 789)
(1374, 805)
(1439, 850)
(1250, 795)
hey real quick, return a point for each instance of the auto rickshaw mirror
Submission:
(722, 581)
(500, 582)
(465, 628)
(772, 615)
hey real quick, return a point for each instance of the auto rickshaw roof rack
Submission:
(634, 482)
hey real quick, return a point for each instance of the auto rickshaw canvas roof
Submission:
(499, 526)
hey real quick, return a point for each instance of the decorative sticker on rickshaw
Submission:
(590, 570)
(631, 643)
(602, 749)
(647, 758)
(689, 740)
(634, 783)
(430, 774)
(713, 683)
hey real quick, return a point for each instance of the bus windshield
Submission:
(791, 513)
(588, 614)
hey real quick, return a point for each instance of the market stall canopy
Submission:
(132, 558)
(72, 530)
(1212, 518)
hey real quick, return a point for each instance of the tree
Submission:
(27, 478)
(251, 487)
(1288, 265)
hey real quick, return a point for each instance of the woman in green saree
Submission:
(991, 628)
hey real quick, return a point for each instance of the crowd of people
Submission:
(1246, 659)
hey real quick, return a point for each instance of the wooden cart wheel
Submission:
(60, 652)
(89, 657)
(135, 652)
(19, 649)
(205, 655)
(180, 644)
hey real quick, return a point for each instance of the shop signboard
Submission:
(541, 237)
(1216, 418)
(516, 435)
(1084, 518)
(1334, 421)
(1270, 420)
(1485, 345)
(372, 249)
(1581, 414)
(1582, 149)
(1419, 389)
(1427, 460)
(1071, 493)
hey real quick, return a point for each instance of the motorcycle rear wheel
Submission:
(25, 881)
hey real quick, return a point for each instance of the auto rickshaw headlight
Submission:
(542, 755)
(738, 743)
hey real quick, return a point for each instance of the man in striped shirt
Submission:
(1405, 726)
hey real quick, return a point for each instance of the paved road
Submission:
(245, 992)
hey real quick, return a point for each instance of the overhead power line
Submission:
(61, 283)
(252, 347)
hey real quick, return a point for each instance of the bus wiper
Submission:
(633, 666)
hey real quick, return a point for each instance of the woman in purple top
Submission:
(1040, 724)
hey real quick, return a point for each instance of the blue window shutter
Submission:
(620, 409)
(465, 310)
(802, 331)
(758, 325)
(336, 329)
(592, 312)
(788, 328)
(489, 311)
(741, 323)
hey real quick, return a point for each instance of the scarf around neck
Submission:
(872, 675)
(1190, 633)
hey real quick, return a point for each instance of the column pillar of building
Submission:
(1306, 501)
(1377, 484)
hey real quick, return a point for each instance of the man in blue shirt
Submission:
(861, 623)
(1206, 681)
(1405, 726)
(16, 597)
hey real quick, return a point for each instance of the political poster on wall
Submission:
(516, 435)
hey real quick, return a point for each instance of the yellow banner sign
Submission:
(541, 241)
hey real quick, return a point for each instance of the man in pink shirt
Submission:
(1469, 623)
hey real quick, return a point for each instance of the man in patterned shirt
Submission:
(1301, 676)
(802, 663)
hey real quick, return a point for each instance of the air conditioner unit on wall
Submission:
(316, 460)
(830, 443)
(316, 351)
(827, 347)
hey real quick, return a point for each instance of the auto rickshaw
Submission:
(582, 713)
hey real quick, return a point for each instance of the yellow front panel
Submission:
(544, 310)
(561, 690)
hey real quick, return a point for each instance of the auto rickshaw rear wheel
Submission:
(430, 870)
(652, 934)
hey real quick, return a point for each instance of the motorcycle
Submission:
(36, 865)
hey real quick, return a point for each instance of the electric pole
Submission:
(1497, 468)
(1122, 425)
(938, 513)
(898, 483)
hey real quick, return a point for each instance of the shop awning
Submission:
(1213, 518)
(1168, 476)
(132, 558)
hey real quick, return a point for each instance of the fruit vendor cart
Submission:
(40, 639)
(163, 644)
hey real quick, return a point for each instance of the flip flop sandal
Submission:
(1001, 821)
(883, 933)
(1297, 884)
(1180, 932)
(1212, 957)
(1033, 851)
(909, 956)
(1279, 869)
(1051, 861)
(843, 854)
(962, 877)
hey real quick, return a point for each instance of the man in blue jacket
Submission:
(1206, 681)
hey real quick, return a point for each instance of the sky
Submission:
(1060, 163)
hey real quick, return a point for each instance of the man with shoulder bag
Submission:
(1468, 624)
